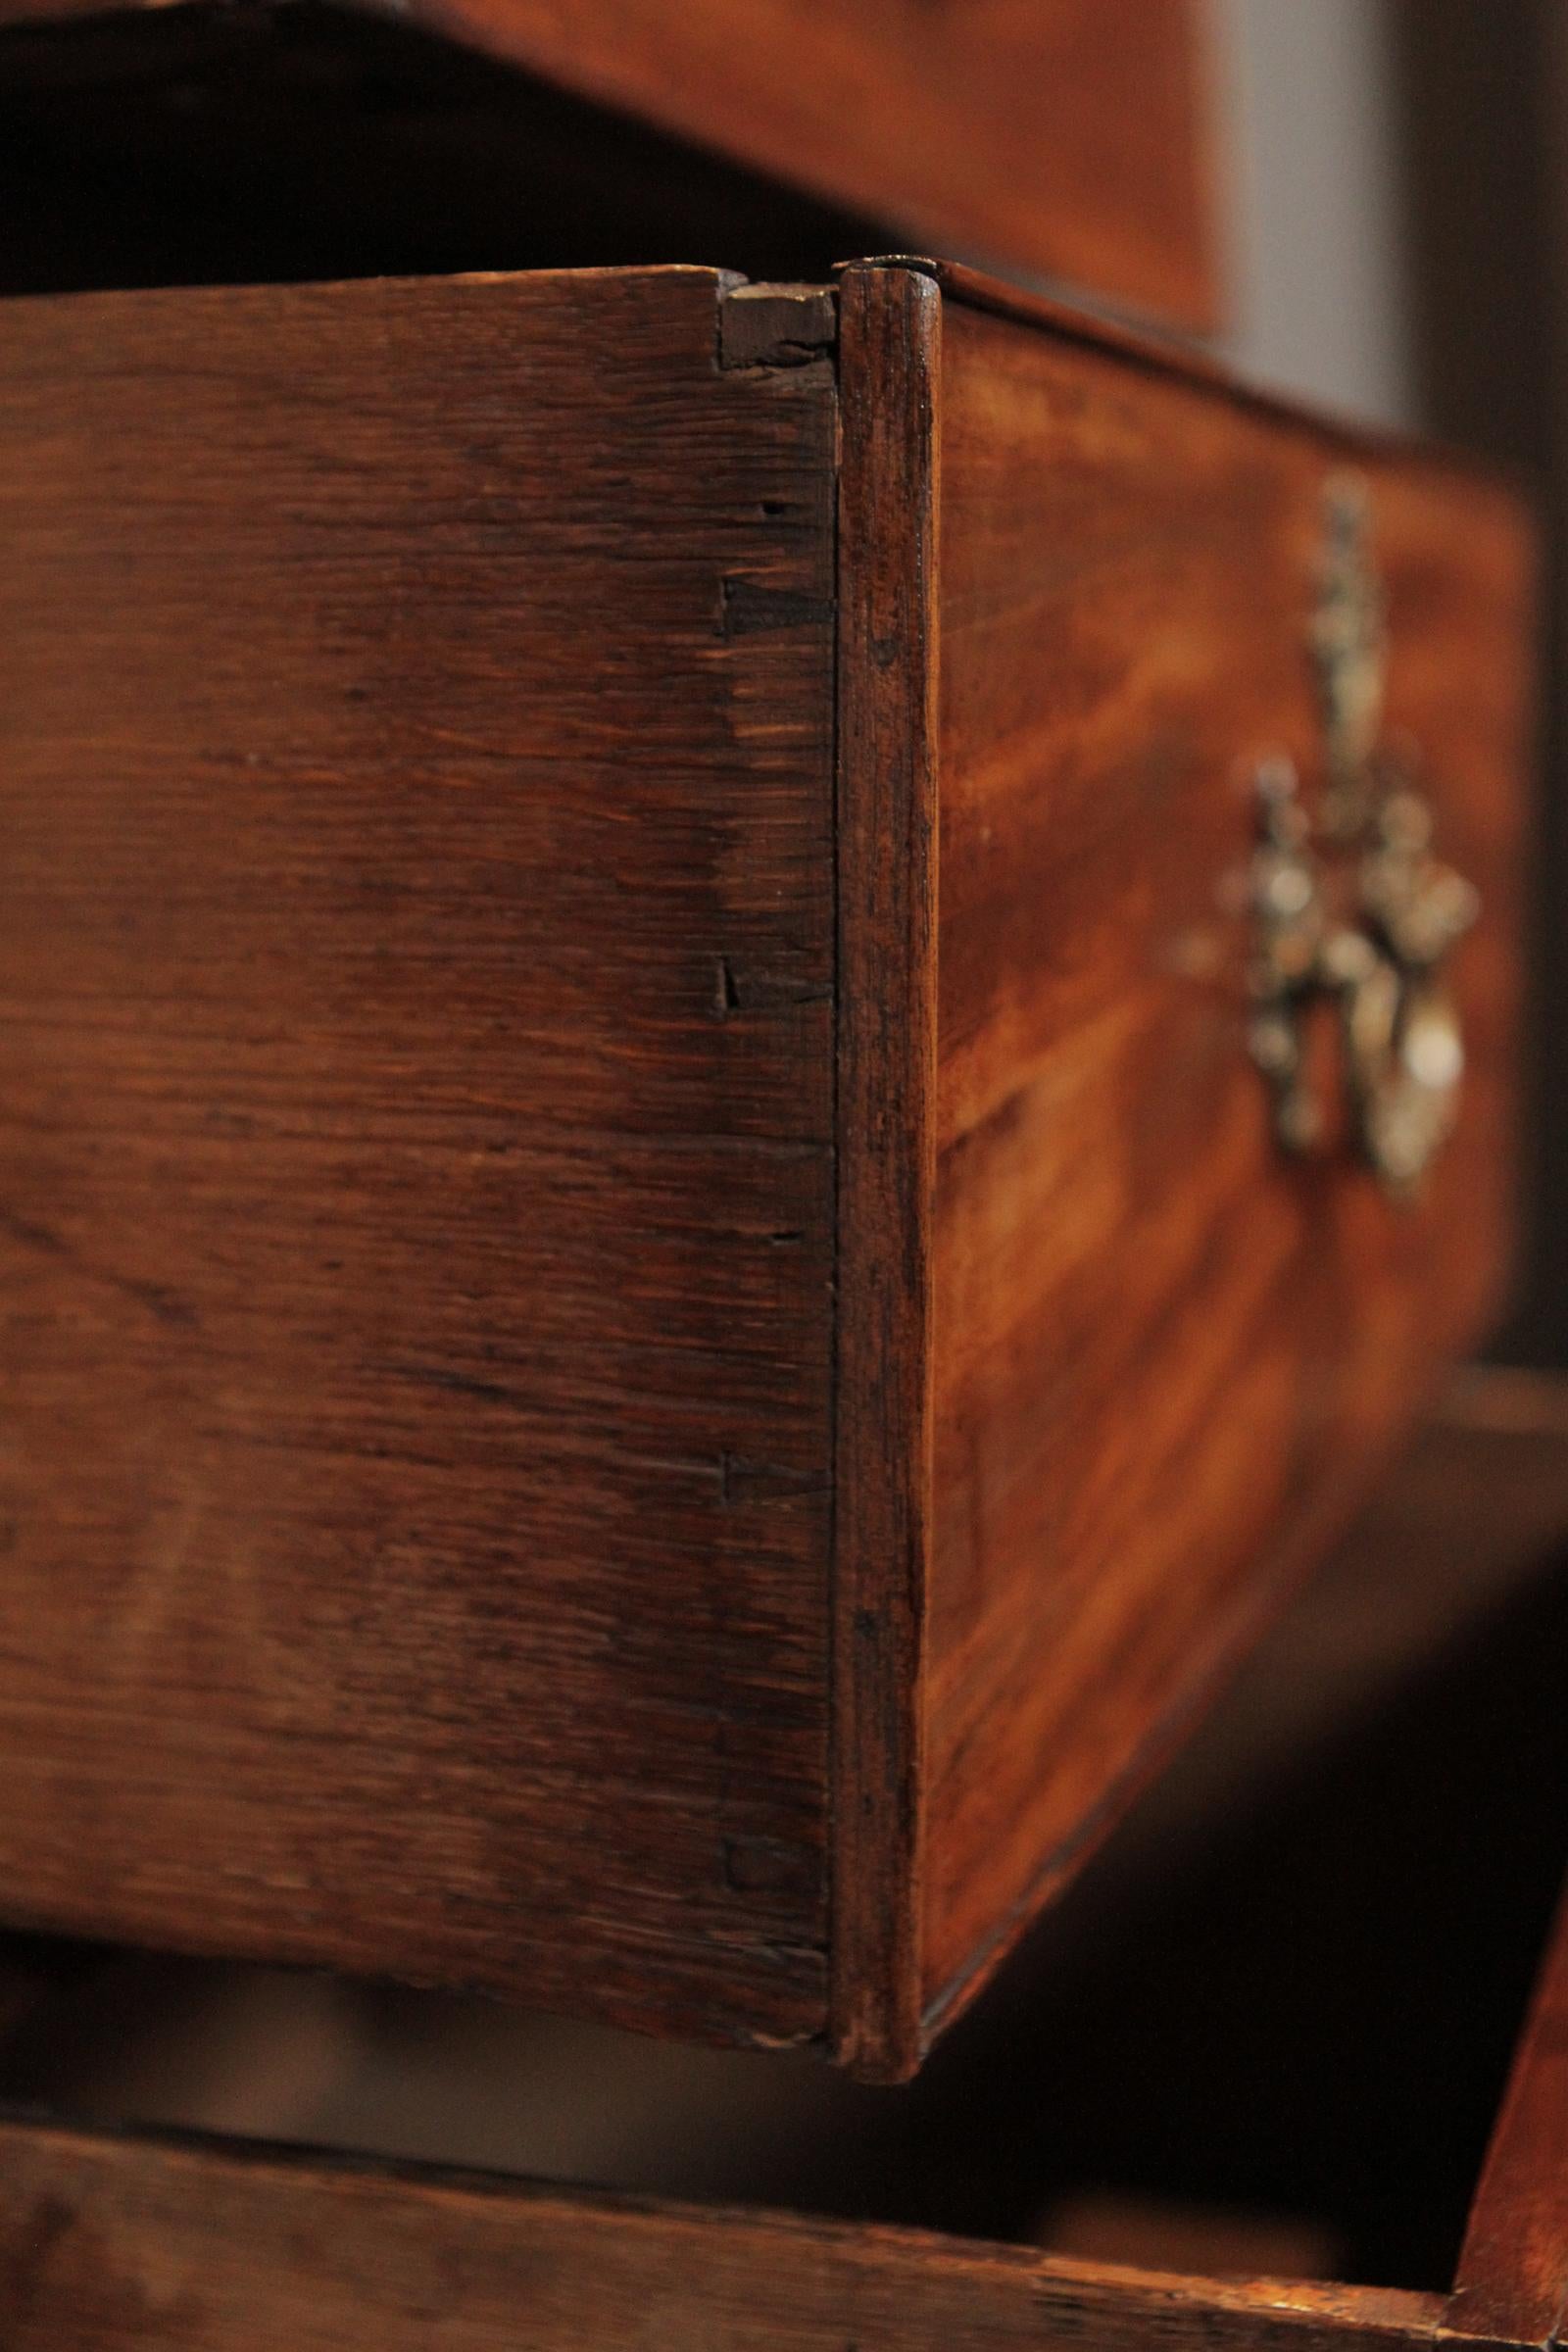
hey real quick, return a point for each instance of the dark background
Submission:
(1482, 153)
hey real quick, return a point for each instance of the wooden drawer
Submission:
(656, 1328)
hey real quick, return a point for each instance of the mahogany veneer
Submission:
(1140, 1360)
(654, 1337)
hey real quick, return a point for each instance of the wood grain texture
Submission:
(623, 1383)
(889, 356)
(416, 1138)
(1513, 2272)
(120, 2247)
(1157, 1345)
(1060, 138)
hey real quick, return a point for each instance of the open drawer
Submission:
(736, 1091)
(1286, 2060)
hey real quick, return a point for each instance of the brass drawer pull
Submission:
(1364, 916)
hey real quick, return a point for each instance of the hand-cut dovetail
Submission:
(726, 990)
(746, 609)
(742, 1481)
(776, 326)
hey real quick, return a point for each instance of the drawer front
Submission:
(415, 1210)
(1168, 1302)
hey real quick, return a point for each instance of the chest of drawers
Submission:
(701, 1184)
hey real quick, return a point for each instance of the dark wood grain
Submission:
(112, 2246)
(1156, 1343)
(1513, 2272)
(416, 1138)
(888, 666)
(1069, 140)
(623, 1383)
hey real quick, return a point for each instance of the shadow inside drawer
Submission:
(1265, 2035)
(216, 145)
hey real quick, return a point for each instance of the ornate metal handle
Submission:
(1365, 918)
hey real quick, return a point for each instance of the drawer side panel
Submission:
(416, 1123)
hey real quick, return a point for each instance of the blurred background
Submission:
(1394, 194)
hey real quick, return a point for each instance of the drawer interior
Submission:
(1263, 2036)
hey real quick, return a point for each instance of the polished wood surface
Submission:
(415, 1137)
(116, 2246)
(1070, 140)
(1157, 1344)
(654, 1341)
